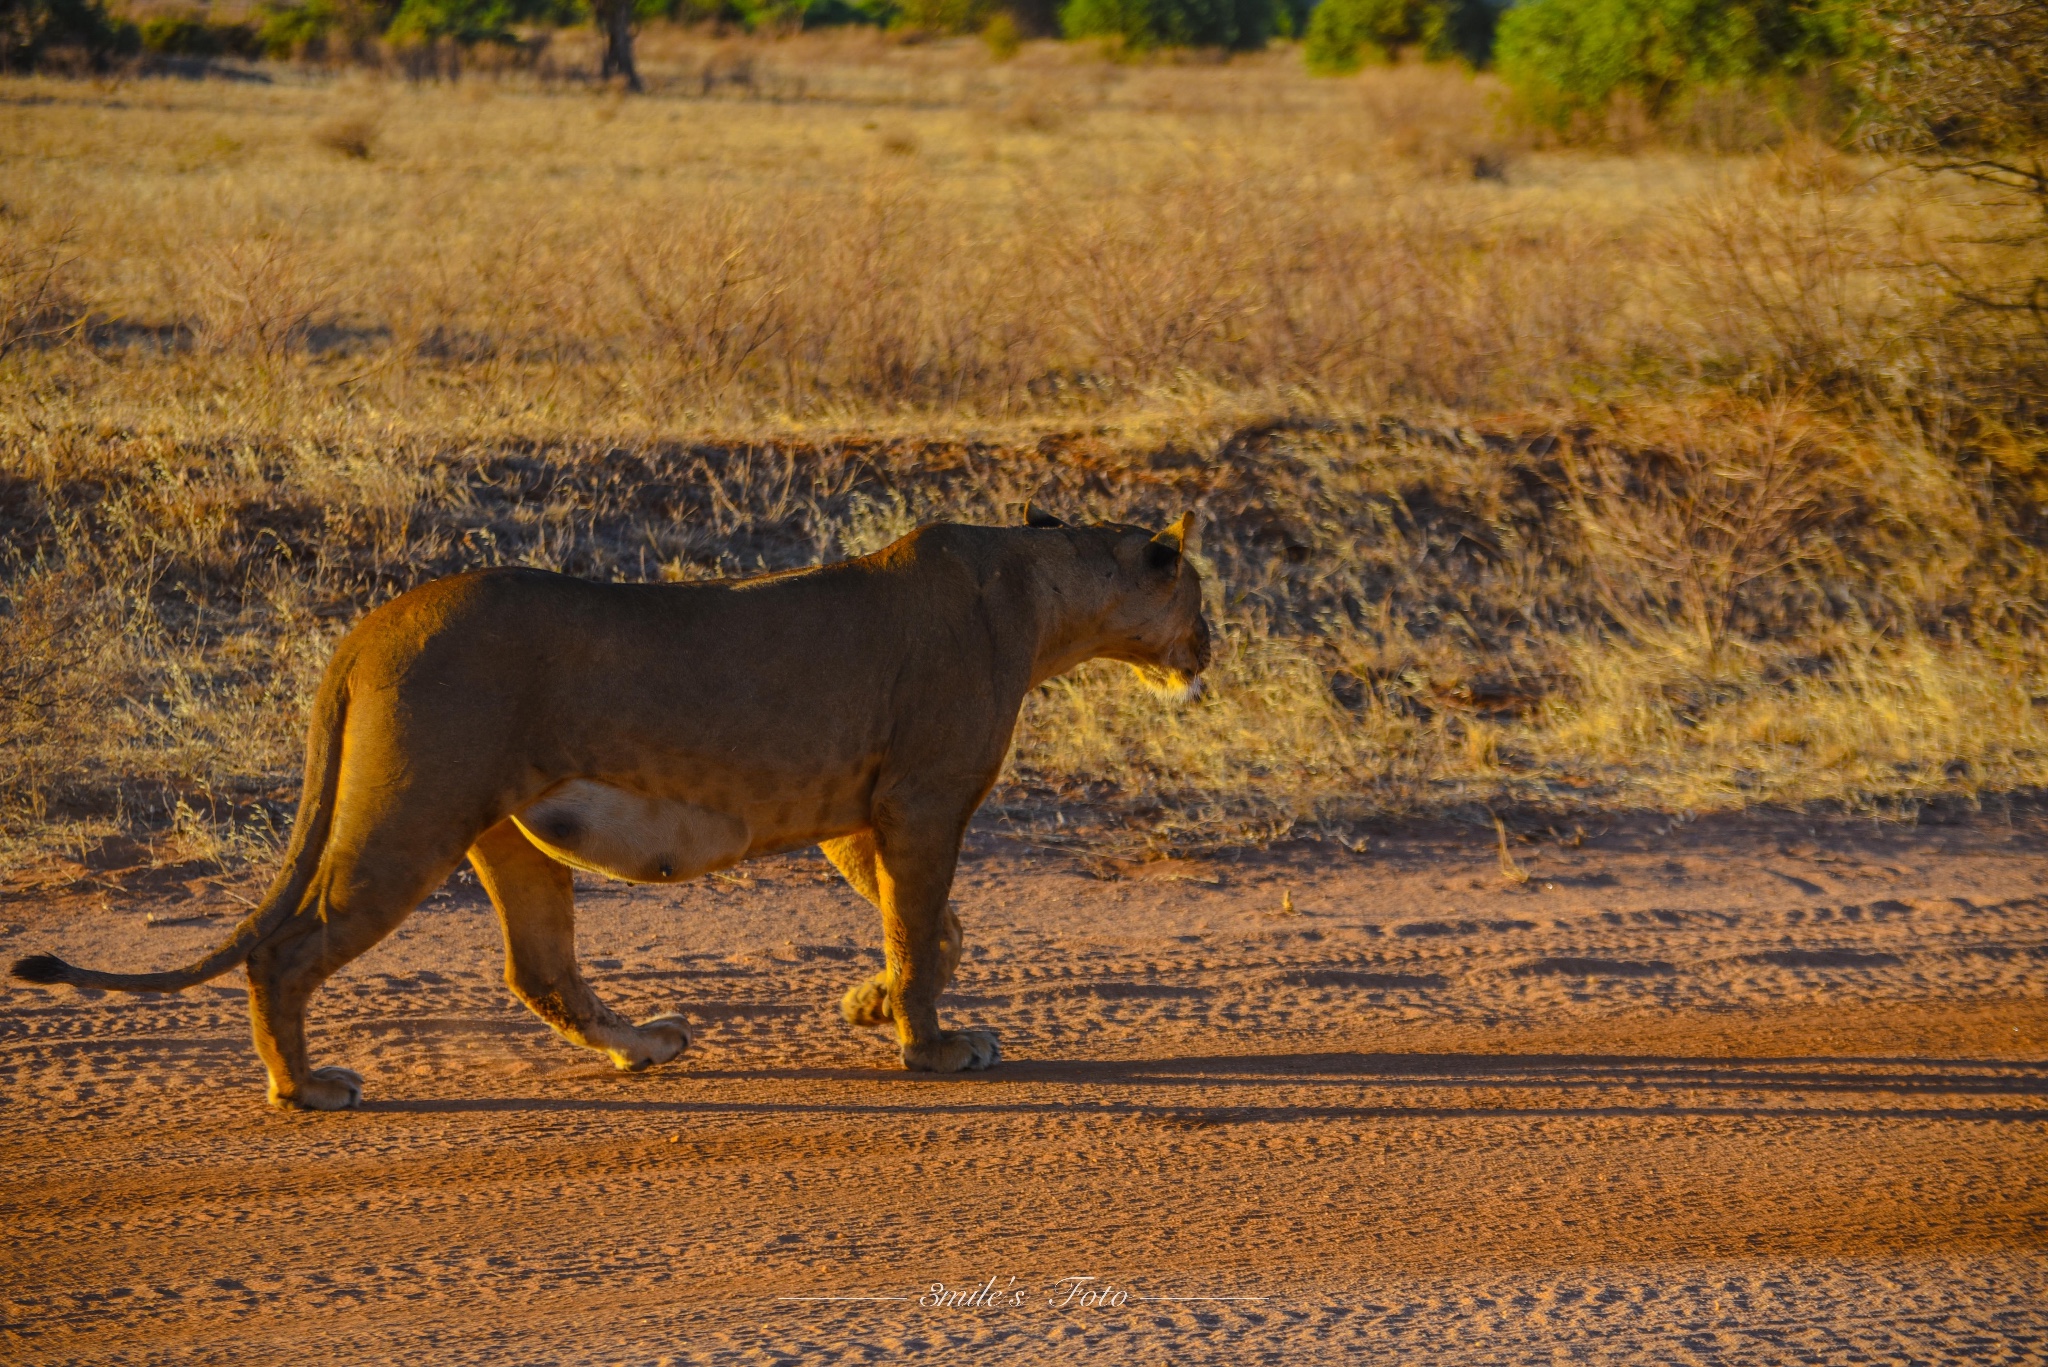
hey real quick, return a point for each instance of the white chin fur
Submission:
(1177, 688)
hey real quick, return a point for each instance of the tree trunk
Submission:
(615, 21)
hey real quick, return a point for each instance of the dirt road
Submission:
(1755, 1090)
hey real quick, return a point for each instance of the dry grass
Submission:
(1546, 480)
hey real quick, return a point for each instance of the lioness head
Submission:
(1154, 621)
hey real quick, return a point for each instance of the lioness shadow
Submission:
(1284, 1088)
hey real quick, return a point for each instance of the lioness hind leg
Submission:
(357, 907)
(283, 975)
(537, 911)
(866, 1003)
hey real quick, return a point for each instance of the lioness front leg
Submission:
(537, 909)
(914, 875)
(867, 1002)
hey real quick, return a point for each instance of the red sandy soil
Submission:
(1754, 1090)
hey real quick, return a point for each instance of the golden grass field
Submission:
(1546, 480)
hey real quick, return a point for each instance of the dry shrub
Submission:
(1791, 265)
(1031, 102)
(37, 303)
(1156, 293)
(1002, 36)
(1431, 121)
(707, 291)
(254, 296)
(56, 627)
(371, 500)
(1703, 508)
(353, 137)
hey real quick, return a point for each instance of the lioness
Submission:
(539, 723)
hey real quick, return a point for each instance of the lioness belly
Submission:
(623, 834)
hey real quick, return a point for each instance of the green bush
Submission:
(1463, 28)
(942, 16)
(1238, 25)
(465, 21)
(1002, 36)
(1343, 35)
(1563, 58)
(310, 27)
(190, 35)
(778, 14)
(306, 29)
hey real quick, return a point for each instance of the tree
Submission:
(1961, 86)
(1343, 35)
(30, 30)
(1239, 25)
(615, 21)
(467, 22)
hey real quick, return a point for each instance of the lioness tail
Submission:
(287, 890)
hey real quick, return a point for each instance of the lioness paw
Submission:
(325, 1089)
(954, 1051)
(656, 1040)
(866, 1003)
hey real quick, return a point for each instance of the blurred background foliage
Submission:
(1578, 70)
(1566, 59)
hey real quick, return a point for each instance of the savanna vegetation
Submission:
(1551, 466)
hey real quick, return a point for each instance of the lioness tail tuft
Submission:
(41, 968)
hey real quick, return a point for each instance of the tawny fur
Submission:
(531, 722)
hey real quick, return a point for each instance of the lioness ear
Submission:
(1164, 550)
(1035, 516)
